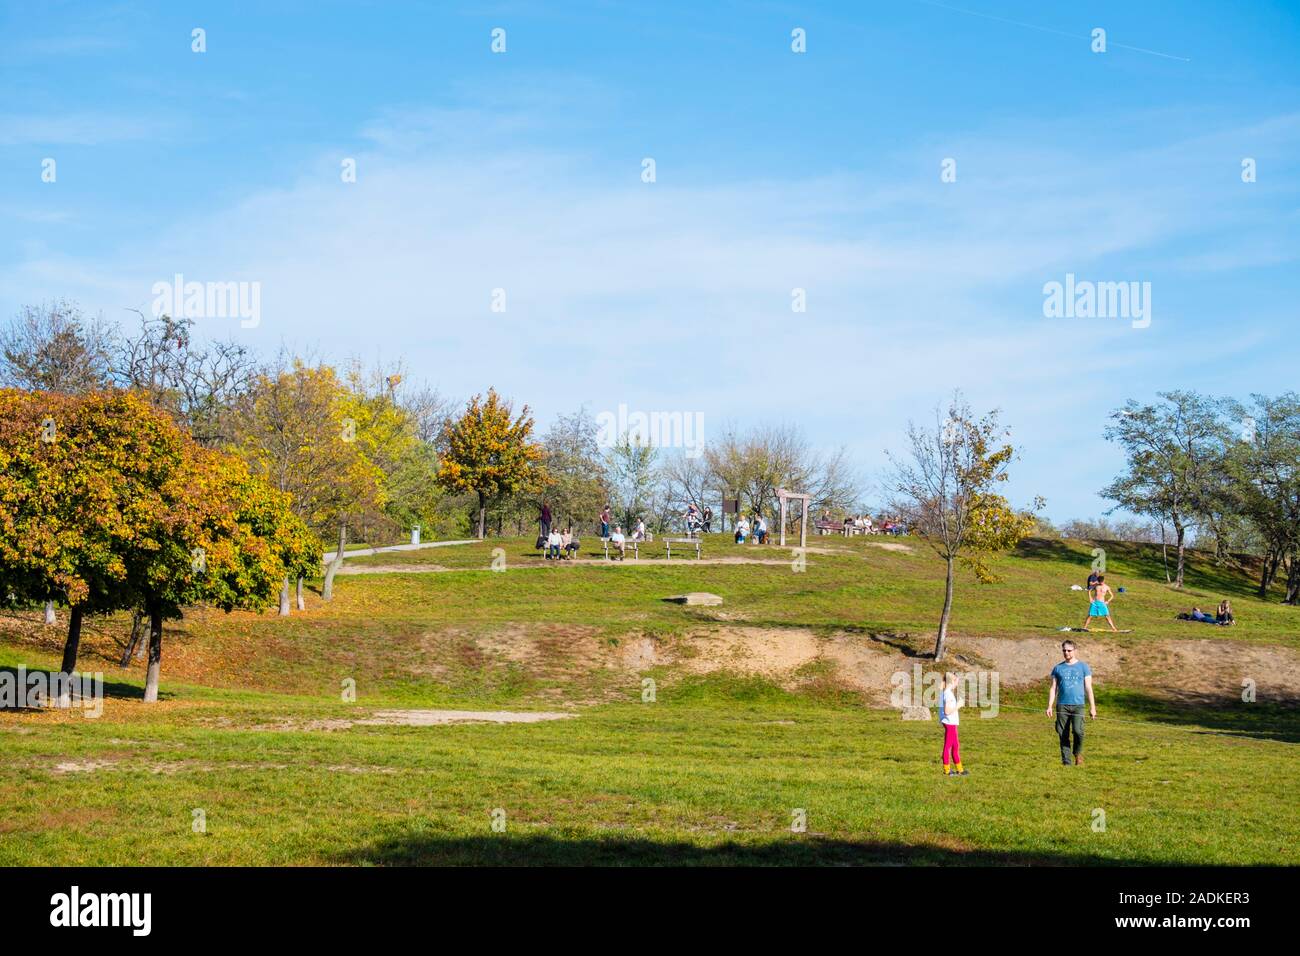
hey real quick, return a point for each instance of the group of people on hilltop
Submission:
(751, 529)
(561, 544)
(863, 524)
(698, 520)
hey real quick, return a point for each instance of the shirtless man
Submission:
(1099, 596)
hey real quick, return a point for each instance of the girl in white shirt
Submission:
(949, 719)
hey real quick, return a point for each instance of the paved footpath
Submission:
(329, 555)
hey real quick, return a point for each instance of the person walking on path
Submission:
(1071, 681)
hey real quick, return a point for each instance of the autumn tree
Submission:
(944, 490)
(106, 504)
(299, 431)
(489, 452)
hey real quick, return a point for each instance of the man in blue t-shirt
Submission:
(1071, 680)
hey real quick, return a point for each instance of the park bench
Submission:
(628, 544)
(829, 527)
(688, 542)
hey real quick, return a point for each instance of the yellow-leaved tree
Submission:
(944, 492)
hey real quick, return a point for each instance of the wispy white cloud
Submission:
(678, 296)
(78, 129)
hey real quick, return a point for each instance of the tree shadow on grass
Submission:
(1277, 719)
(112, 689)
(797, 850)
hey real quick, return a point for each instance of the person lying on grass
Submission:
(949, 718)
(1222, 617)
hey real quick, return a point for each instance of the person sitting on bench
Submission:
(760, 529)
(568, 544)
(554, 542)
(742, 530)
(617, 542)
(638, 533)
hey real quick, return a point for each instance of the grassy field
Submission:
(768, 710)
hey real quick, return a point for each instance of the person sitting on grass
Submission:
(760, 529)
(554, 542)
(949, 718)
(1224, 615)
(742, 530)
(617, 542)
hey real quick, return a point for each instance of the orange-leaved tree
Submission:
(489, 452)
(106, 504)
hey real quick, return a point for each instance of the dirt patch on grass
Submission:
(1191, 668)
(795, 658)
(390, 568)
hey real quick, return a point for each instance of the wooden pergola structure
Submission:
(785, 496)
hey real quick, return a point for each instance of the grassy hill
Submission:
(774, 703)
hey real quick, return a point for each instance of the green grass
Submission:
(712, 771)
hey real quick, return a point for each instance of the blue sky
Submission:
(774, 171)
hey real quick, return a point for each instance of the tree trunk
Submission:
(155, 656)
(1267, 568)
(49, 613)
(1293, 579)
(941, 644)
(139, 628)
(70, 656)
(327, 589)
(73, 642)
(1164, 552)
(1182, 554)
(302, 605)
(482, 514)
(284, 597)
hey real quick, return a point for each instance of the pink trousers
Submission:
(950, 745)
